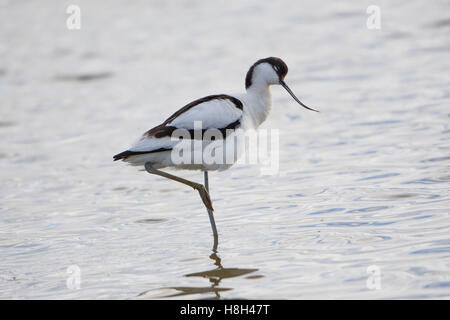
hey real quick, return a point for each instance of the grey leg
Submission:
(210, 212)
(197, 186)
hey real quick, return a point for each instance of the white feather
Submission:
(151, 143)
(217, 113)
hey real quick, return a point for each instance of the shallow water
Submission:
(364, 184)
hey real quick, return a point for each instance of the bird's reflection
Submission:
(214, 276)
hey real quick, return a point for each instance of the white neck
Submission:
(259, 102)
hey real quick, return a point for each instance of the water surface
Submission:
(363, 184)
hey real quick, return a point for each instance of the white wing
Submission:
(214, 113)
(147, 144)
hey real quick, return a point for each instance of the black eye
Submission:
(276, 68)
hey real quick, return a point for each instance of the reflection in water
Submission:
(215, 276)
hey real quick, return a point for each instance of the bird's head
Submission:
(270, 71)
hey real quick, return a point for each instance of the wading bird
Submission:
(223, 113)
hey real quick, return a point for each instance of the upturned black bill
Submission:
(293, 96)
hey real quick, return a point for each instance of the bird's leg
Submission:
(211, 215)
(197, 186)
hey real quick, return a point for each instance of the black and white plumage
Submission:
(222, 113)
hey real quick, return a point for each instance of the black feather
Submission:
(128, 153)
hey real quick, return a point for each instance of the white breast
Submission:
(257, 106)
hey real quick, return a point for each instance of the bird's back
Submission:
(215, 113)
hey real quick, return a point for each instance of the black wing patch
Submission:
(128, 153)
(163, 130)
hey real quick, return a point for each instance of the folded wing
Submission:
(219, 112)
